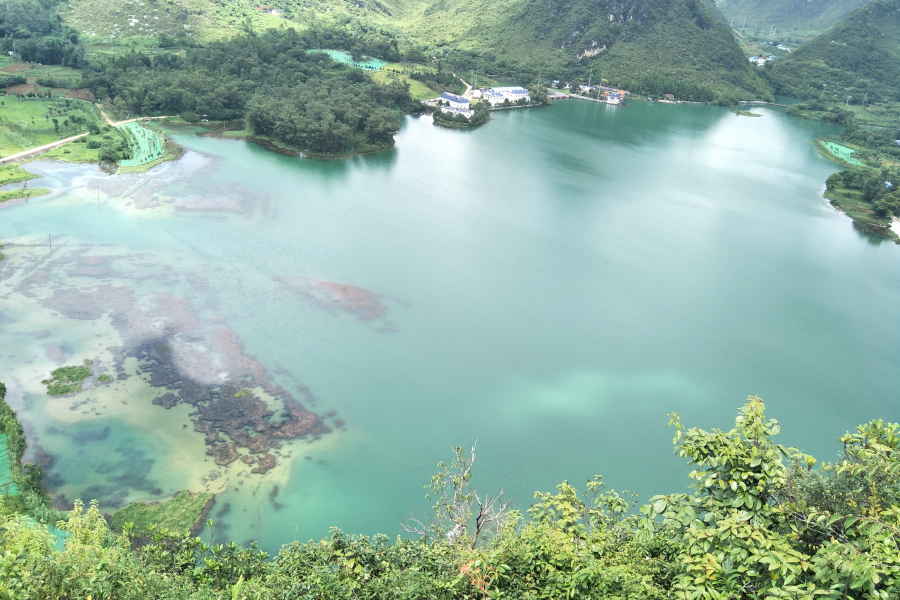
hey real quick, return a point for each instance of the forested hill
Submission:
(686, 42)
(305, 100)
(803, 16)
(684, 46)
(858, 57)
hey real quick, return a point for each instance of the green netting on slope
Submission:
(146, 145)
(7, 487)
(373, 64)
(61, 536)
(842, 152)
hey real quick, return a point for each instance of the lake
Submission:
(550, 285)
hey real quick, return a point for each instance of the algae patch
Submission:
(67, 380)
(182, 514)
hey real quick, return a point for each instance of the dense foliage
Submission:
(37, 33)
(762, 522)
(879, 188)
(303, 99)
(480, 116)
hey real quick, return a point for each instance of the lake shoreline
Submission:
(219, 130)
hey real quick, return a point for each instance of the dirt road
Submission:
(39, 150)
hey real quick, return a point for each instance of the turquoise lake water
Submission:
(552, 285)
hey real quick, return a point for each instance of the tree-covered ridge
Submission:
(37, 32)
(763, 521)
(304, 99)
(803, 16)
(859, 57)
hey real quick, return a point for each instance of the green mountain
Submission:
(859, 57)
(797, 16)
(682, 43)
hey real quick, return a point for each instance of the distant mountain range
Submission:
(858, 57)
(799, 16)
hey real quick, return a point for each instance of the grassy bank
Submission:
(14, 174)
(23, 193)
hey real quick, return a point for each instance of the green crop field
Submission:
(55, 71)
(75, 153)
(419, 90)
(28, 122)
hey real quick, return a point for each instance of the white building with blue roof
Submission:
(451, 103)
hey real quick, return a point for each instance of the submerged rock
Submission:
(167, 400)
(265, 463)
(225, 454)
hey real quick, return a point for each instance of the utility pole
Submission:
(590, 75)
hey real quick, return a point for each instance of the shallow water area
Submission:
(551, 284)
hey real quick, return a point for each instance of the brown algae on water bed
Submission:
(171, 368)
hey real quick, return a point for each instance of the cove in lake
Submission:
(551, 285)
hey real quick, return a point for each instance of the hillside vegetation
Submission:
(687, 41)
(799, 16)
(761, 522)
(859, 57)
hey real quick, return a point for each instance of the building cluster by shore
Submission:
(497, 96)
